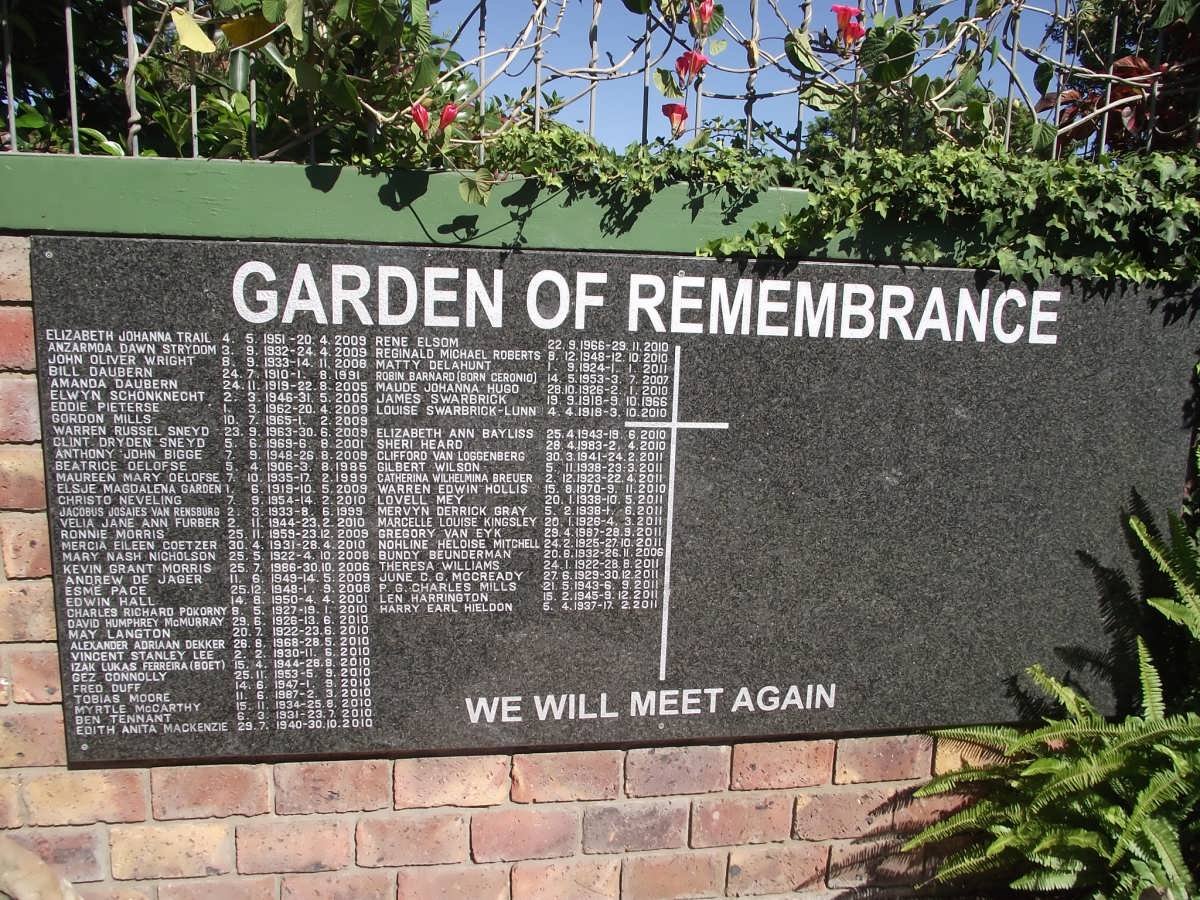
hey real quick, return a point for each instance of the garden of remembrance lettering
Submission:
(315, 499)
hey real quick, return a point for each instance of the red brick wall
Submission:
(815, 816)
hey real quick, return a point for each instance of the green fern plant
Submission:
(1083, 805)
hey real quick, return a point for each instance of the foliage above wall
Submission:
(1136, 222)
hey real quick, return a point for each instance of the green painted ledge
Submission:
(286, 201)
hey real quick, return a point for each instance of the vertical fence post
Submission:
(253, 130)
(1015, 19)
(594, 37)
(482, 74)
(193, 104)
(752, 76)
(538, 55)
(1062, 52)
(73, 99)
(646, 81)
(1112, 55)
(131, 60)
(8, 76)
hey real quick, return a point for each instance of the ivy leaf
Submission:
(1042, 76)
(191, 35)
(798, 47)
(1043, 135)
(641, 7)
(476, 188)
(665, 81)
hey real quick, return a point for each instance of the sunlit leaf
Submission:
(191, 35)
(667, 84)
(798, 47)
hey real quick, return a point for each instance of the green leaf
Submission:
(985, 9)
(641, 7)
(423, 30)
(798, 47)
(271, 52)
(1042, 77)
(294, 17)
(273, 10)
(671, 9)
(341, 90)
(239, 71)
(667, 84)
(308, 76)
(821, 96)
(426, 74)
(888, 56)
(477, 188)
(31, 118)
(1174, 10)
(191, 35)
(717, 47)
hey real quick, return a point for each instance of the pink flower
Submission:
(701, 13)
(449, 114)
(854, 31)
(689, 65)
(844, 15)
(677, 114)
(421, 116)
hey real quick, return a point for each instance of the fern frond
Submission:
(1178, 613)
(1071, 731)
(979, 816)
(1082, 777)
(1153, 706)
(1074, 702)
(941, 784)
(1045, 881)
(989, 737)
(1162, 556)
(1170, 855)
(1164, 787)
(972, 861)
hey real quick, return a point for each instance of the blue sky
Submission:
(619, 103)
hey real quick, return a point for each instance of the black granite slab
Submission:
(250, 562)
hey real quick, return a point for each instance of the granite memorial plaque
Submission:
(336, 500)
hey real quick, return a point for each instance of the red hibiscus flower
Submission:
(854, 31)
(677, 114)
(449, 114)
(421, 116)
(844, 15)
(701, 13)
(689, 65)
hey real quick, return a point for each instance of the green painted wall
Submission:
(223, 199)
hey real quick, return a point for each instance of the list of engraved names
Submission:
(245, 507)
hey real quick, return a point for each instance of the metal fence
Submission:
(592, 64)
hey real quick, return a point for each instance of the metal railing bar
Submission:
(8, 76)
(73, 99)
(594, 40)
(1112, 57)
(482, 74)
(193, 104)
(252, 132)
(132, 57)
